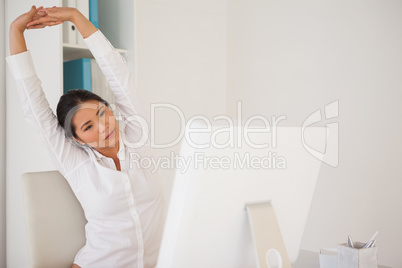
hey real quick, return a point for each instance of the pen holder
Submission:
(357, 257)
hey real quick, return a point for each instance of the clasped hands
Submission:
(41, 17)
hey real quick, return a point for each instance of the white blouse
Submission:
(124, 209)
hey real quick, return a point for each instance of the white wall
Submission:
(2, 140)
(294, 57)
(24, 154)
(278, 58)
(180, 59)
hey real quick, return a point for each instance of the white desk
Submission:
(309, 259)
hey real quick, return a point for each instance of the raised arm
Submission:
(35, 107)
(18, 27)
(112, 65)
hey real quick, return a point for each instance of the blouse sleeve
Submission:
(65, 155)
(121, 82)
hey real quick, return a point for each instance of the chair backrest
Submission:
(55, 220)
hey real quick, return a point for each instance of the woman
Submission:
(122, 203)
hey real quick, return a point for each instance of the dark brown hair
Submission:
(68, 105)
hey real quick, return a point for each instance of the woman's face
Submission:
(95, 125)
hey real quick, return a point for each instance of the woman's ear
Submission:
(79, 140)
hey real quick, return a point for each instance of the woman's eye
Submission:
(102, 113)
(88, 128)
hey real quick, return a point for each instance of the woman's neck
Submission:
(110, 152)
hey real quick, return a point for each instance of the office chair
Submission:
(55, 220)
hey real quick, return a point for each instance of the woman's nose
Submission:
(102, 126)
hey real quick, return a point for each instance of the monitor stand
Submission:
(270, 248)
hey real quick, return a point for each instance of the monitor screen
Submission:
(207, 224)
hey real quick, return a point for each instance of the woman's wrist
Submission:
(16, 28)
(84, 26)
(75, 15)
(17, 40)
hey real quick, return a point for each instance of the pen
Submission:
(350, 242)
(374, 235)
(369, 244)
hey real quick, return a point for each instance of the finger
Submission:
(32, 23)
(53, 23)
(43, 25)
(41, 20)
(51, 12)
(32, 11)
(36, 17)
(39, 15)
(42, 12)
(50, 9)
(38, 26)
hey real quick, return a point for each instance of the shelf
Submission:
(73, 52)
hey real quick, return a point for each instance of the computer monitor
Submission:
(207, 224)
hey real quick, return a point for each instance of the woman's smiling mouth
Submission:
(110, 134)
